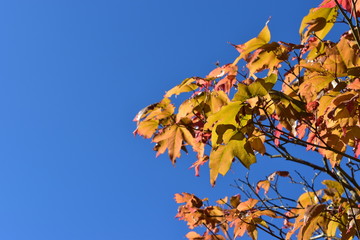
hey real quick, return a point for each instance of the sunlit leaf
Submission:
(255, 43)
(265, 184)
(186, 86)
(147, 128)
(320, 21)
(194, 236)
(247, 205)
(222, 158)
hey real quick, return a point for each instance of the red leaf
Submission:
(357, 148)
(301, 130)
(345, 4)
(196, 165)
(310, 140)
(355, 85)
(277, 134)
(311, 106)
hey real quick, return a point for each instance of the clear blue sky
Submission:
(72, 76)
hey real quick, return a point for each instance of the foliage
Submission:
(285, 94)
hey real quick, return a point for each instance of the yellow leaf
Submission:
(331, 228)
(319, 20)
(257, 144)
(235, 200)
(147, 128)
(227, 115)
(222, 157)
(308, 198)
(222, 201)
(218, 100)
(263, 38)
(311, 220)
(242, 93)
(268, 213)
(335, 187)
(186, 86)
(249, 204)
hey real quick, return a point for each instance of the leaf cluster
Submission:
(274, 95)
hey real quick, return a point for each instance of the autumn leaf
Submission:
(147, 128)
(310, 220)
(308, 198)
(319, 21)
(247, 205)
(255, 43)
(190, 199)
(272, 176)
(222, 201)
(334, 188)
(226, 115)
(222, 158)
(235, 200)
(346, 4)
(265, 184)
(187, 85)
(194, 236)
(172, 138)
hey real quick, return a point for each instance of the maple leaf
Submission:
(346, 4)
(194, 236)
(222, 158)
(187, 85)
(171, 138)
(253, 44)
(190, 199)
(319, 22)
(147, 128)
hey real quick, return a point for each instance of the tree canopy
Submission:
(275, 99)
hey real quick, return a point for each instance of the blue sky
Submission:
(73, 74)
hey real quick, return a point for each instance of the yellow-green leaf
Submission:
(222, 157)
(242, 93)
(263, 38)
(227, 115)
(335, 186)
(319, 20)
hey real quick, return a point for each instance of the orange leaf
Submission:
(265, 184)
(194, 236)
(249, 204)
